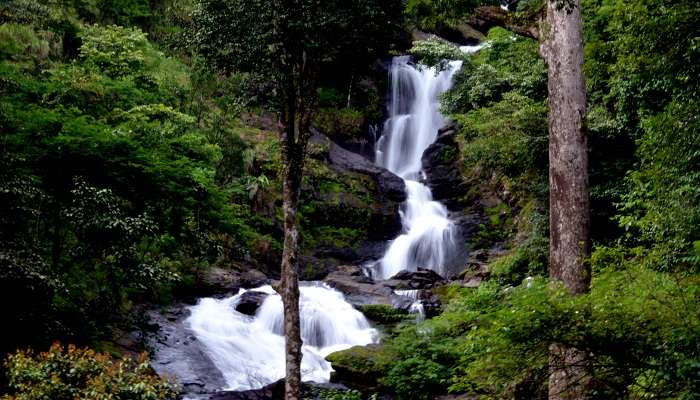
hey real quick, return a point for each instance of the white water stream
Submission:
(249, 350)
(428, 236)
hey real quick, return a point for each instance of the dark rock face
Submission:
(420, 279)
(352, 193)
(225, 281)
(273, 391)
(179, 354)
(250, 302)
(440, 164)
(391, 187)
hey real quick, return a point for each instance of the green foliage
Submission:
(109, 184)
(330, 394)
(662, 209)
(342, 123)
(509, 137)
(70, 373)
(251, 36)
(639, 60)
(115, 51)
(436, 52)
(21, 41)
(432, 14)
(494, 342)
(508, 63)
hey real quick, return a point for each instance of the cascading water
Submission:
(428, 236)
(249, 351)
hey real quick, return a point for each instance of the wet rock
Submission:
(431, 303)
(177, 353)
(389, 191)
(440, 164)
(225, 281)
(250, 301)
(420, 279)
(432, 306)
(273, 391)
(358, 288)
(402, 303)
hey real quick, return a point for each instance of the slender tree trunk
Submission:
(295, 137)
(562, 50)
(292, 157)
(290, 283)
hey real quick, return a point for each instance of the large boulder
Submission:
(419, 279)
(391, 187)
(358, 288)
(432, 306)
(220, 281)
(359, 367)
(250, 301)
(441, 166)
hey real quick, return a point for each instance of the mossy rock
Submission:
(360, 367)
(383, 314)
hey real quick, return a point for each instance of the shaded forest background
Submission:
(130, 167)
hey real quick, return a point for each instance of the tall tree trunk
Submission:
(290, 282)
(295, 136)
(562, 50)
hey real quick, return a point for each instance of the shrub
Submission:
(435, 51)
(69, 373)
(20, 41)
(508, 137)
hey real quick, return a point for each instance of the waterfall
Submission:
(249, 350)
(428, 236)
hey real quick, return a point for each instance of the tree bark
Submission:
(290, 281)
(295, 132)
(562, 49)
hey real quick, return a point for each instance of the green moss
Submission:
(383, 314)
(361, 367)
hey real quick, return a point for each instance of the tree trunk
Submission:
(295, 136)
(562, 50)
(290, 283)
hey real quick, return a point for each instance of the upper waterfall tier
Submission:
(414, 115)
(428, 237)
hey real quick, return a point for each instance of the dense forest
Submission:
(161, 155)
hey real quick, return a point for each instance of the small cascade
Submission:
(249, 351)
(428, 237)
(417, 305)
